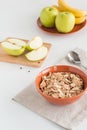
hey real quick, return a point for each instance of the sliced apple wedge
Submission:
(37, 54)
(12, 49)
(35, 43)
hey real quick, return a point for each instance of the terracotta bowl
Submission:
(61, 68)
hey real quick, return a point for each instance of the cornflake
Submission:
(62, 84)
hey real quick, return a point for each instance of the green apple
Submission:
(65, 22)
(37, 54)
(47, 16)
(35, 43)
(14, 47)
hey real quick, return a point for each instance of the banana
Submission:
(55, 6)
(80, 20)
(65, 7)
(58, 8)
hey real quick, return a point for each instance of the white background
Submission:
(18, 19)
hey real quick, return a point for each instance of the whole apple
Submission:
(65, 22)
(47, 16)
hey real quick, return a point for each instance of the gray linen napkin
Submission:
(68, 116)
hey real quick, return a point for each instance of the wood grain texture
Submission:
(21, 60)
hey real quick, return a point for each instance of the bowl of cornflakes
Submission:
(61, 84)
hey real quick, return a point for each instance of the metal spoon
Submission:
(74, 58)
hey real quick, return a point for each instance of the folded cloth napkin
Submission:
(68, 116)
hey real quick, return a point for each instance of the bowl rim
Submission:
(69, 98)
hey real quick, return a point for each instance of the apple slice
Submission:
(12, 49)
(37, 54)
(17, 42)
(35, 43)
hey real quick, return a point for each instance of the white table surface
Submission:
(18, 19)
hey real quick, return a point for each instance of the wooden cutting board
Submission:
(4, 57)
